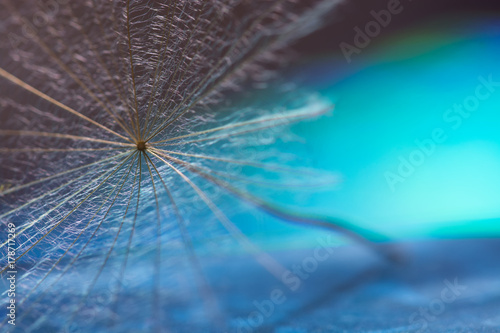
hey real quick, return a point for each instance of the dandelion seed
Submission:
(114, 125)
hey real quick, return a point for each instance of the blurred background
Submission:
(415, 78)
(415, 143)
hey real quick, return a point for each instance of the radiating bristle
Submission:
(116, 124)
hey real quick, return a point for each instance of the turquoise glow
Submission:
(398, 93)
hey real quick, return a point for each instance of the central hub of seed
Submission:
(141, 145)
